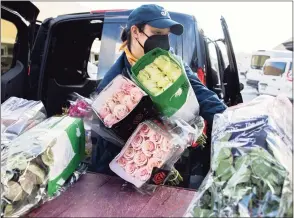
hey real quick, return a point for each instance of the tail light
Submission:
(290, 76)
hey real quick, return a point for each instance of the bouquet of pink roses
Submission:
(121, 106)
(117, 100)
(148, 156)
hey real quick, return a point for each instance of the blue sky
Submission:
(252, 25)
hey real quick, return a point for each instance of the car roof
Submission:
(271, 52)
(279, 59)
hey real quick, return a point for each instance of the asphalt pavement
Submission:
(248, 93)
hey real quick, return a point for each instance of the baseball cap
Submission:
(155, 16)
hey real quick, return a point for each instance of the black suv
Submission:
(49, 59)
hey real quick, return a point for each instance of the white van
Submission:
(258, 59)
(277, 77)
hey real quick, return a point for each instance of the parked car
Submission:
(51, 58)
(253, 75)
(277, 77)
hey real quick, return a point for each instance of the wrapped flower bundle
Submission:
(122, 105)
(251, 164)
(162, 76)
(117, 100)
(80, 107)
(38, 162)
(149, 148)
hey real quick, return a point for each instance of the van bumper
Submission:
(252, 83)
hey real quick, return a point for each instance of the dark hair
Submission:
(126, 34)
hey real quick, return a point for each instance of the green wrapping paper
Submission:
(163, 77)
(69, 151)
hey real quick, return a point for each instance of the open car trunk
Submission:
(62, 60)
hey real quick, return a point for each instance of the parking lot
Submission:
(248, 93)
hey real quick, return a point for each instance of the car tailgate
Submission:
(97, 195)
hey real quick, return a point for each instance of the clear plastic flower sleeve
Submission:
(17, 116)
(150, 153)
(121, 106)
(38, 162)
(251, 164)
(117, 100)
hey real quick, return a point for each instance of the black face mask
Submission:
(156, 41)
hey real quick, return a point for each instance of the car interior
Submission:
(65, 69)
(13, 79)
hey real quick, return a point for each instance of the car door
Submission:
(231, 77)
(17, 37)
(274, 76)
(215, 68)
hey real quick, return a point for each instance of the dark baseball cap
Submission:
(155, 16)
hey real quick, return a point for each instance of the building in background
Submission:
(287, 45)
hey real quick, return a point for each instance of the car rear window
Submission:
(274, 68)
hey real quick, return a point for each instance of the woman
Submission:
(148, 27)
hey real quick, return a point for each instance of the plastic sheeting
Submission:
(17, 116)
(251, 164)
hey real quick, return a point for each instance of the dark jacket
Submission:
(208, 101)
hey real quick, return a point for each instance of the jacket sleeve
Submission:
(209, 102)
(115, 70)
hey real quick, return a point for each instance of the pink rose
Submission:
(140, 159)
(137, 142)
(128, 102)
(160, 154)
(145, 130)
(130, 168)
(104, 111)
(154, 162)
(111, 104)
(82, 104)
(166, 145)
(118, 96)
(143, 174)
(136, 94)
(156, 137)
(109, 120)
(126, 87)
(122, 161)
(120, 111)
(148, 148)
(129, 153)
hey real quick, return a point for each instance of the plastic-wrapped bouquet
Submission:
(80, 107)
(121, 106)
(162, 76)
(38, 162)
(251, 164)
(149, 155)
